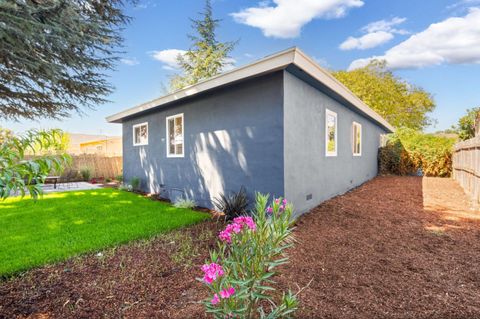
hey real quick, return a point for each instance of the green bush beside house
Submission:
(409, 152)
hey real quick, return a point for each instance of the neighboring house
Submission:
(108, 147)
(281, 125)
(95, 144)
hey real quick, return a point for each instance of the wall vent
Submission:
(309, 196)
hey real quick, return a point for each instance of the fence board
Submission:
(466, 167)
(99, 166)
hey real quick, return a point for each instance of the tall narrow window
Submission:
(175, 147)
(330, 133)
(357, 139)
(140, 134)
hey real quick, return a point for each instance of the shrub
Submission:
(86, 174)
(184, 203)
(135, 182)
(232, 205)
(409, 151)
(119, 178)
(108, 180)
(125, 187)
(239, 274)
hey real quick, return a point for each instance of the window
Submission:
(140, 134)
(175, 147)
(331, 133)
(357, 139)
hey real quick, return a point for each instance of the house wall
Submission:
(233, 137)
(307, 169)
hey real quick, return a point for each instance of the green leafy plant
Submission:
(466, 124)
(20, 173)
(401, 103)
(125, 187)
(184, 203)
(232, 205)
(135, 183)
(119, 178)
(86, 174)
(409, 151)
(241, 270)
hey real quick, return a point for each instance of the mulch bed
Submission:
(397, 247)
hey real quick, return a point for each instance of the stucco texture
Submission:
(233, 137)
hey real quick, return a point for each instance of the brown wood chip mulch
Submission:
(396, 247)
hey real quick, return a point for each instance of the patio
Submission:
(72, 186)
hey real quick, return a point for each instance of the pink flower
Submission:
(269, 210)
(227, 292)
(284, 202)
(212, 272)
(215, 299)
(235, 227)
(245, 220)
(225, 235)
(277, 201)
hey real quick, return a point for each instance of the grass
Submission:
(62, 225)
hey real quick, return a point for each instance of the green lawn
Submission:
(61, 225)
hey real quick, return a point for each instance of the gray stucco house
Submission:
(281, 125)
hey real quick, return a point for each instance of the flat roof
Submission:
(269, 64)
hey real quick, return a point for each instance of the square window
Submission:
(175, 134)
(140, 134)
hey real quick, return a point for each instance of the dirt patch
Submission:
(146, 279)
(397, 247)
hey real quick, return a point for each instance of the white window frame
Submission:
(168, 135)
(359, 127)
(327, 153)
(134, 139)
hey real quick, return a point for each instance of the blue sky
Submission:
(434, 44)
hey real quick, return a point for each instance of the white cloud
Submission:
(285, 18)
(385, 25)
(455, 40)
(377, 33)
(130, 61)
(168, 58)
(322, 61)
(463, 3)
(367, 41)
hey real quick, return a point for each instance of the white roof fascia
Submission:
(266, 65)
(317, 72)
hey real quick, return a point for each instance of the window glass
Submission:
(140, 134)
(175, 136)
(331, 133)
(357, 138)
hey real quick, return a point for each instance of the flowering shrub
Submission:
(240, 272)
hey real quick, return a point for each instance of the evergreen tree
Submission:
(207, 56)
(53, 54)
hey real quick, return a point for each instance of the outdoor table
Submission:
(54, 179)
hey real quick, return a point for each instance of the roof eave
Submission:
(268, 64)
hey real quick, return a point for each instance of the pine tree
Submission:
(207, 56)
(53, 54)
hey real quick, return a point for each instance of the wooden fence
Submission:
(466, 167)
(99, 166)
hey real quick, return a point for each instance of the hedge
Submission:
(410, 152)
